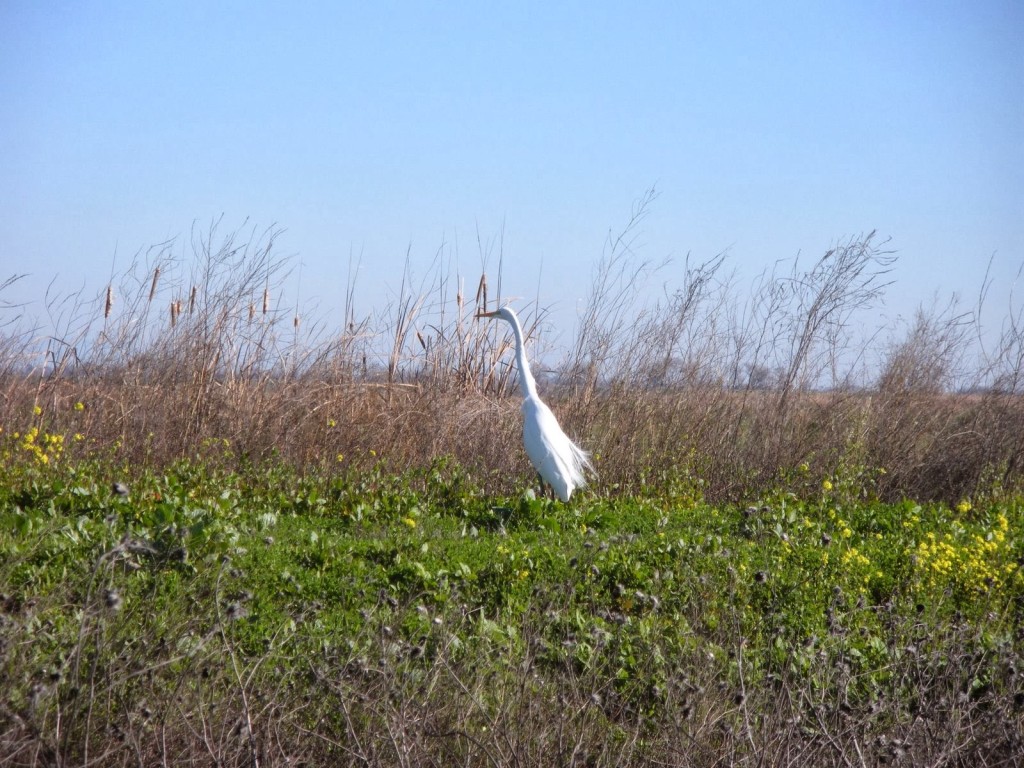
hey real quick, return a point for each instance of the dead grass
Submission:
(732, 391)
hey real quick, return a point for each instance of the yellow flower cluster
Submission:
(937, 558)
(1002, 526)
(854, 557)
(973, 564)
(856, 561)
(43, 447)
(842, 527)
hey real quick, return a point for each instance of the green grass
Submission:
(387, 619)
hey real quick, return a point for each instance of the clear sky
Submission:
(376, 128)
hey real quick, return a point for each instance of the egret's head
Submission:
(505, 313)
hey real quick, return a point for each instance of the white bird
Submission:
(558, 460)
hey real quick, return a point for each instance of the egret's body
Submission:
(558, 460)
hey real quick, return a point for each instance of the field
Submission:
(262, 617)
(223, 542)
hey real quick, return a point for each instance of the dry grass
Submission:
(728, 390)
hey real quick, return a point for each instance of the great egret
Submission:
(558, 460)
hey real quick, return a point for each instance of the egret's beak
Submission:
(487, 314)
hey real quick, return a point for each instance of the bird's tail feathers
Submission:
(583, 464)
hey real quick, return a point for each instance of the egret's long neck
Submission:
(526, 380)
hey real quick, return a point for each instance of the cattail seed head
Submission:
(152, 287)
(110, 302)
(481, 292)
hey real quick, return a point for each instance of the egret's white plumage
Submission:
(558, 460)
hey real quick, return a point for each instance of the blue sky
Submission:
(381, 128)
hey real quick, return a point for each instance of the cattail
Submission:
(152, 287)
(266, 300)
(481, 290)
(110, 301)
(174, 313)
(252, 311)
(192, 301)
(295, 322)
(422, 342)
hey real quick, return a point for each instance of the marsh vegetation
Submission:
(232, 537)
